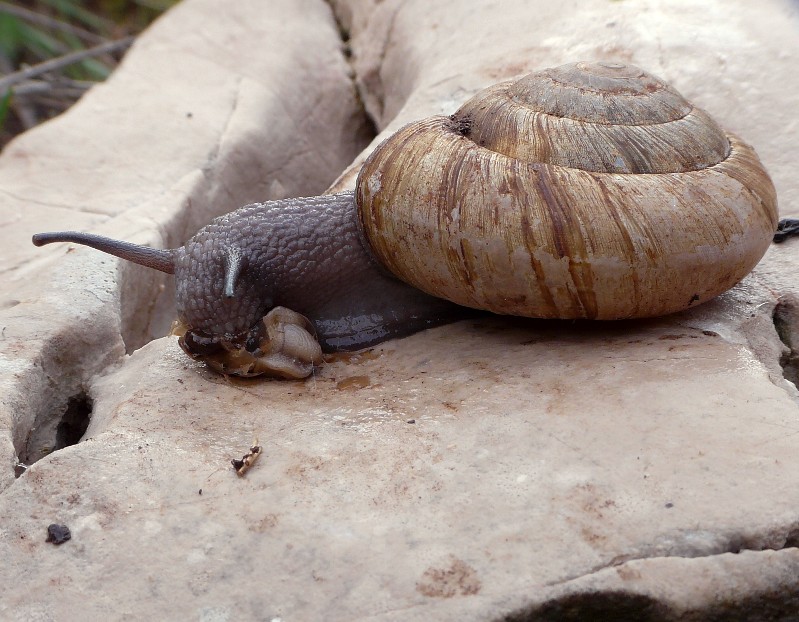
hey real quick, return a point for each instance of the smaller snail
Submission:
(590, 190)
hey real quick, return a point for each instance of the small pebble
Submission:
(58, 534)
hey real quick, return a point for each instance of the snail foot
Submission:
(786, 228)
(282, 344)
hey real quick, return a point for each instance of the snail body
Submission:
(584, 191)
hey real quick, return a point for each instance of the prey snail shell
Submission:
(591, 190)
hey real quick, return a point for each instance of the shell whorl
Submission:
(591, 190)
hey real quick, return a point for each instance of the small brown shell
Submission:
(592, 190)
(282, 345)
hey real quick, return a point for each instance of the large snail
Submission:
(591, 190)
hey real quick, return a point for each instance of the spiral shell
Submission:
(591, 190)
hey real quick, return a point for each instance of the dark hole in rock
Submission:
(56, 430)
(786, 323)
(74, 422)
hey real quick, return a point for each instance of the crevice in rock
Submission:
(619, 606)
(55, 429)
(578, 601)
(772, 605)
(147, 305)
(343, 30)
(343, 27)
(691, 544)
(786, 322)
(146, 297)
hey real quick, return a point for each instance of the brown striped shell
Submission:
(591, 190)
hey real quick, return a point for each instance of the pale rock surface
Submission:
(496, 469)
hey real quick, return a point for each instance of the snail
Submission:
(589, 190)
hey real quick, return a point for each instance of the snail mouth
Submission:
(282, 344)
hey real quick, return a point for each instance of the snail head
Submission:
(225, 313)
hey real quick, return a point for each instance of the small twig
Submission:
(61, 62)
(69, 88)
(24, 111)
(54, 104)
(48, 22)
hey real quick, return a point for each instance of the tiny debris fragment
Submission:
(58, 534)
(247, 460)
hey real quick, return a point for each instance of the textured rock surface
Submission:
(491, 469)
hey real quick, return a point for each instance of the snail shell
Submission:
(591, 190)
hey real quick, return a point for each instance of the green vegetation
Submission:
(52, 51)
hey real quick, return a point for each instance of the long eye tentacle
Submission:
(159, 259)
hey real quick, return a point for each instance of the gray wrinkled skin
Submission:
(305, 254)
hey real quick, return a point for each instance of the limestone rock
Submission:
(494, 469)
